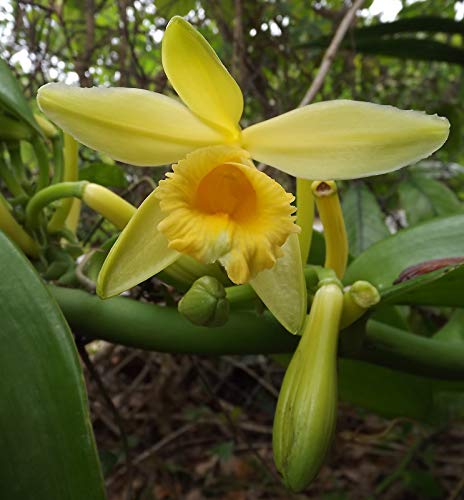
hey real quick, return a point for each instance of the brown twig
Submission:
(330, 53)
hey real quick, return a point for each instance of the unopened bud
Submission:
(305, 418)
(205, 304)
(361, 296)
(47, 127)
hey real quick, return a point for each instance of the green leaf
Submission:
(424, 198)
(453, 331)
(432, 24)
(442, 287)
(104, 174)
(364, 220)
(395, 394)
(48, 449)
(383, 262)
(412, 48)
(12, 98)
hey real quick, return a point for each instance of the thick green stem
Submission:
(15, 232)
(305, 215)
(42, 161)
(58, 160)
(70, 174)
(392, 347)
(147, 326)
(10, 180)
(14, 150)
(50, 194)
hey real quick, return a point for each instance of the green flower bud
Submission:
(305, 418)
(361, 296)
(205, 304)
(47, 127)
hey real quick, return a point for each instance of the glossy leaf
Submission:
(414, 24)
(48, 449)
(104, 174)
(413, 48)
(364, 220)
(395, 394)
(443, 287)
(453, 331)
(423, 198)
(12, 98)
(382, 263)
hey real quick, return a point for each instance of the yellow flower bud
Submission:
(306, 412)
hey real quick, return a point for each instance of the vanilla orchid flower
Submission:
(216, 206)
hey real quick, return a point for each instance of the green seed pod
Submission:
(205, 304)
(305, 418)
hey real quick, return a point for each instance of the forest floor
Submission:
(190, 427)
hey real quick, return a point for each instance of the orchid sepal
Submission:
(140, 252)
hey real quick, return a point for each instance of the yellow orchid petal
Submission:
(131, 125)
(140, 252)
(283, 289)
(219, 207)
(345, 139)
(200, 78)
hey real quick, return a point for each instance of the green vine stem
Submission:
(9, 225)
(148, 326)
(50, 194)
(10, 179)
(58, 160)
(42, 161)
(14, 150)
(305, 215)
(404, 351)
(70, 174)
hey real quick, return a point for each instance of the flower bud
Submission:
(331, 215)
(205, 304)
(47, 126)
(306, 413)
(361, 296)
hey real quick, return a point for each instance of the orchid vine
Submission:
(216, 206)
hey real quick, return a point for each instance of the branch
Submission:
(330, 53)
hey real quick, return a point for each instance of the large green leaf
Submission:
(423, 198)
(47, 446)
(453, 331)
(412, 48)
(395, 394)
(442, 287)
(104, 174)
(365, 223)
(382, 263)
(12, 99)
(415, 24)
